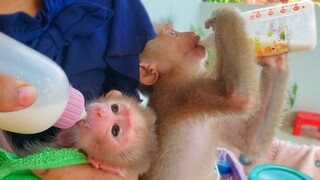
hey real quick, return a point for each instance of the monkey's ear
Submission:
(148, 73)
(113, 93)
(68, 137)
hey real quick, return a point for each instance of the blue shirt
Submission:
(97, 43)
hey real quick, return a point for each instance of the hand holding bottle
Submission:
(57, 103)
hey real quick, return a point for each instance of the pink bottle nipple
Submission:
(73, 111)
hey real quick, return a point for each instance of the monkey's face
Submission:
(174, 49)
(109, 123)
(117, 130)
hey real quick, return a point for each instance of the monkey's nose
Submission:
(103, 112)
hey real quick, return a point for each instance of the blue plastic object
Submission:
(227, 161)
(276, 172)
(224, 168)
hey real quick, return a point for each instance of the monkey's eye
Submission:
(115, 108)
(172, 33)
(115, 130)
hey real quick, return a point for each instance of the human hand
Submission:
(15, 94)
(79, 172)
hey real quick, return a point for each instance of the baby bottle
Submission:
(57, 103)
(283, 28)
(277, 29)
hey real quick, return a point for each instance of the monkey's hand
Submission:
(264, 122)
(223, 14)
(274, 62)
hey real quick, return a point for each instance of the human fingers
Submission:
(15, 94)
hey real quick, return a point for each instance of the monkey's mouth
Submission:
(83, 123)
(198, 48)
(196, 42)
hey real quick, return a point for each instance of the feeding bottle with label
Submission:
(282, 28)
(57, 103)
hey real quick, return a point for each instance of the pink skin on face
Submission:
(109, 123)
(107, 128)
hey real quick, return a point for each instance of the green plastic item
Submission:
(276, 172)
(13, 167)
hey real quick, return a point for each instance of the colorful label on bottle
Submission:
(282, 28)
(274, 41)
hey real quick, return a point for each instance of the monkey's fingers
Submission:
(274, 62)
(209, 23)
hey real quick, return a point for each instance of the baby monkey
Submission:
(117, 136)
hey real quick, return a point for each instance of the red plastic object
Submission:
(305, 118)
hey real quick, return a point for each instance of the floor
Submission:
(309, 135)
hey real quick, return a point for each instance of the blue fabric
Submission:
(97, 42)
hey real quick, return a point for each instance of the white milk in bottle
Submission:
(57, 103)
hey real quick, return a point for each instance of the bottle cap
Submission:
(73, 111)
(224, 168)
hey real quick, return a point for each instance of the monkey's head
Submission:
(117, 132)
(171, 52)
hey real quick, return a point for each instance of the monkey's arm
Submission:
(236, 64)
(256, 134)
(232, 90)
(273, 86)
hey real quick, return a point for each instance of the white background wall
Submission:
(305, 66)
(183, 12)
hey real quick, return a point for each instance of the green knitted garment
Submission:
(13, 167)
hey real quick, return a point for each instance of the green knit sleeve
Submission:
(14, 167)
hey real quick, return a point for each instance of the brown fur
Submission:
(195, 110)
